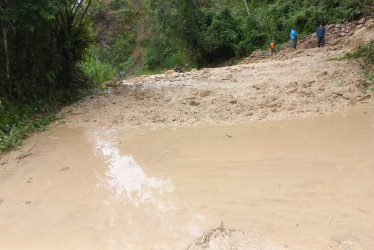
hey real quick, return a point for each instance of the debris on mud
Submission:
(26, 154)
(221, 238)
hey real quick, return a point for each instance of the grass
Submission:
(369, 75)
(346, 56)
(97, 70)
(18, 121)
(366, 52)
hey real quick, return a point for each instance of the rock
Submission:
(194, 103)
(365, 97)
(307, 84)
(338, 92)
(233, 101)
(338, 25)
(342, 34)
(227, 77)
(347, 96)
(205, 93)
(307, 93)
(359, 26)
(169, 72)
(257, 87)
(361, 21)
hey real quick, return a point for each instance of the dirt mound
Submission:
(293, 83)
(223, 238)
(349, 35)
(279, 89)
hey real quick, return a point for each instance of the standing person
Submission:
(321, 31)
(272, 47)
(294, 36)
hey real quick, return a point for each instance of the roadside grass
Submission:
(98, 71)
(16, 122)
(366, 52)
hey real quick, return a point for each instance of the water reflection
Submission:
(125, 177)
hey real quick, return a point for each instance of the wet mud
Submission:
(304, 183)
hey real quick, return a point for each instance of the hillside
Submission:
(151, 36)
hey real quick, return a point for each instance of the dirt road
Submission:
(274, 154)
(305, 183)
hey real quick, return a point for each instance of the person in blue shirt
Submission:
(321, 31)
(294, 36)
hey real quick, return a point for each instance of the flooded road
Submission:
(305, 183)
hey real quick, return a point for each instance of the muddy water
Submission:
(297, 184)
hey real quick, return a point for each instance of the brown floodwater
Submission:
(305, 183)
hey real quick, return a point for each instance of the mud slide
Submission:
(273, 154)
(297, 83)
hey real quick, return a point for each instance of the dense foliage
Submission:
(206, 32)
(41, 45)
(42, 42)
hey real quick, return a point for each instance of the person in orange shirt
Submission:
(272, 47)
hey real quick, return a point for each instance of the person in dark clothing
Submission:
(321, 31)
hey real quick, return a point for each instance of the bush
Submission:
(98, 71)
(17, 121)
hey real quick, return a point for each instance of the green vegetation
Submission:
(42, 43)
(201, 33)
(17, 121)
(96, 69)
(365, 51)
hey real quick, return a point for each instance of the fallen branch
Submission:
(27, 153)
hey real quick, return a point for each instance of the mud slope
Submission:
(294, 83)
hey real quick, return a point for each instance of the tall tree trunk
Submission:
(246, 7)
(5, 40)
(84, 13)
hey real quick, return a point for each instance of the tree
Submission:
(246, 7)
(42, 41)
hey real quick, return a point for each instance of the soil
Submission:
(293, 83)
(274, 153)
